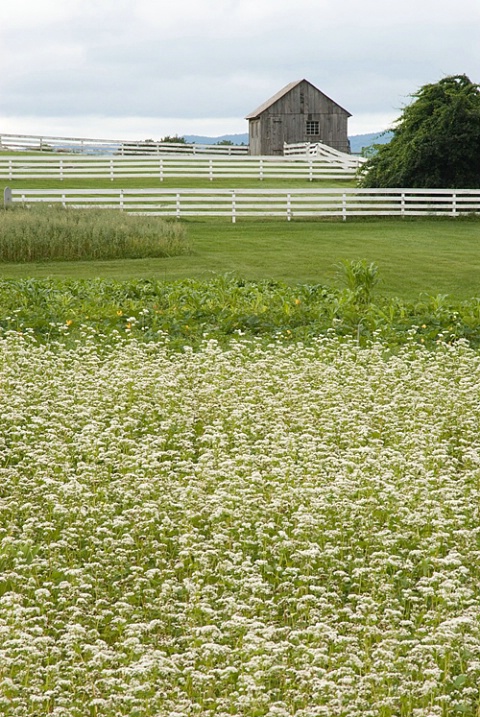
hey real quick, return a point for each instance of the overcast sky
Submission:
(138, 69)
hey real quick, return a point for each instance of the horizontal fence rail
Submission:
(165, 167)
(83, 145)
(322, 151)
(236, 203)
(125, 147)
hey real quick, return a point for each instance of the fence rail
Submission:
(64, 167)
(322, 151)
(237, 203)
(85, 145)
(124, 147)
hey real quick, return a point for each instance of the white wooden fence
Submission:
(85, 145)
(125, 147)
(64, 167)
(323, 151)
(286, 203)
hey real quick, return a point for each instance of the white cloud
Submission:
(130, 127)
(205, 60)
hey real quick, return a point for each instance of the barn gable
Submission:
(297, 113)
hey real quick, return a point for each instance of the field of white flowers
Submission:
(248, 531)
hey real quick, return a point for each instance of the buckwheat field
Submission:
(249, 530)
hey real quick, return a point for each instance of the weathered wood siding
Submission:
(286, 121)
(255, 138)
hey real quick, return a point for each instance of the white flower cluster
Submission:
(252, 531)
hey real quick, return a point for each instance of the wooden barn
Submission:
(298, 113)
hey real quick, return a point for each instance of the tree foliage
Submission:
(173, 139)
(436, 141)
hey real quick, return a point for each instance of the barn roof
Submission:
(281, 93)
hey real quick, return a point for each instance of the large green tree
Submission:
(436, 141)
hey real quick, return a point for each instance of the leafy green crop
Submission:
(189, 311)
(253, 530)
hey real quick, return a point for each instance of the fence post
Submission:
(121, 200)
(61, 170)
(10, 169)
(454, 205)
(177, 206)
(261, 170)
(344, 207)
(111, 170)
(210, 169)
(161, 170)
(7, 197)
(234, 218)
(310, 170)
(289, 207)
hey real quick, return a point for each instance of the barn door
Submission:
(277, 135)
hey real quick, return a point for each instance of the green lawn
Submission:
(413, 256)
(176, 182)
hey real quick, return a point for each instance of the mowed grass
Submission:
(177, 182)
(432, 256)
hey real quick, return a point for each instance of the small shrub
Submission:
(53, 233)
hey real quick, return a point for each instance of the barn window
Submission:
(313, 127)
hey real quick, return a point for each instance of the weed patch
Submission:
(56, 234)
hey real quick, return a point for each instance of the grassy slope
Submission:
(432, 256)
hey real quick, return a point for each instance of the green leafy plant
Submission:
(225, 308)
(361, 279)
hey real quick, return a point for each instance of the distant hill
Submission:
(357, 141)
(235, 138)
(360, 141)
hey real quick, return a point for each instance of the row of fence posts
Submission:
(161, 170)
(8, 201)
